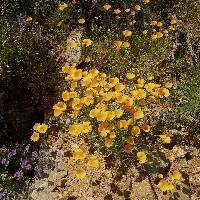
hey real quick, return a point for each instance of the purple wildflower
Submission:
(28, 147)
(52, 164)
(2, 194)
(18, 175)
(25, 165)
(12, 153)
(94, 1)
(39, 171)
(16, 144)
(3, 149)
(35, 154)
(5, 162)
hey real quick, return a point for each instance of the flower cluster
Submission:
(25, 160)
(86, 161)
(157, 29)
(168, 184)
(108, 106)
(37, 129)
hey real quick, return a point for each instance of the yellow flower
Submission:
(118, 113)
(119, 87)
(135, 131)
(146, 1)
(87, 42)
(141, 156)
(126, 44)
(42, 128)
(103, 75)
(74, 45)
(108, 142)
(165, 186)
(87, 100)
(165, 139)
(137, 8)
(117, 11)
(173, 21)
(138, 94)
(127, 33)
(159, 35)
(77, 104)
(86, 127)
(130, 76)
(36, 126)
(107, 6)
(57, 112)
(124, 124)
(118, 43)
(150, 77)
(94, 72)
(154, 37)
(130, 139)
(150, 86)
(75, 129)
(171, 27)
(101, 106)
(28, 19)
(65, 68)
(81, 21)
(93, 162)
(165, 31)
(176, 175)
(93, 113)
(146, 128)
(104, 129)
(59, 108)
(160, 175)
(114, 81)
(68, 95)
(140, 82)
(107, 96)
(112, 135)
(159, 24)
(80, 174)
(138, 114)
(168, 85)
(85, 82)
(79, 154)
(87, 59)
(132, 13)
(121, 98)
(76, 75)
(128, 148)
(153, 23)
(145, 32)
(127, 10)
(111, 115)
(62, 6)
(102, 116)
(163, 92)
(151, 98)
(35, 137)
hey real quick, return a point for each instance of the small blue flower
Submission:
(25, 165)
(28, 147)
(18, 175)
(35, 154)
(12, 153)
(5, 162)
(39, 171)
